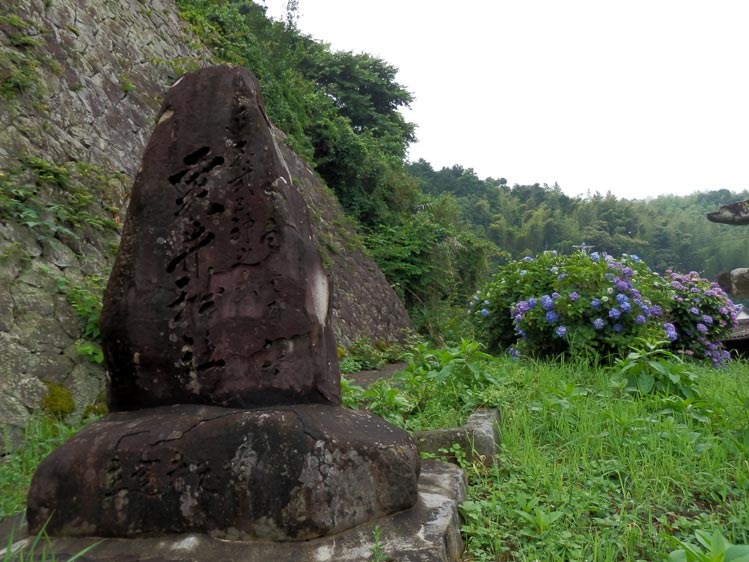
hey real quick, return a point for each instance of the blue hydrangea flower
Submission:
(555, 295)
(595, 256)
(532, 303)
(561, 331)
(561, 276)
(640, 319)
(615, 313)
(626, 307)
(514, 353)
(655, 310)
(551, 317)
(528, 259)
(547, 303)
(618, 327)
(670, 331)
(595, 303)
(621, 297)
(484, 312)
(598, 323)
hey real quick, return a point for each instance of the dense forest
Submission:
(437, 234)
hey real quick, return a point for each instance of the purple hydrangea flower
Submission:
(655, 310)
(701, 328)
(622, 285)
(555, 295)
(707, 319)
(694, 310)
(574, 296)
(627, 271)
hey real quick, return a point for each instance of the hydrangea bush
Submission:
(700, 315)
(595, 306)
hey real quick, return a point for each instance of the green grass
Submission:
(41, 437)
(589, 472)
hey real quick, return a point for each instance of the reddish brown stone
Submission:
(283, 473)
(218, 295)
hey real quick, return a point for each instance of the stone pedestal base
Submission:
(428, 532)
(282, 473)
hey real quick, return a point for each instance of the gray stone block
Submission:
(479, 438)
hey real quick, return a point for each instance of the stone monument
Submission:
(223, 381)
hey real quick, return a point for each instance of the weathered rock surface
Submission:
(292, 472)
(218, 295)
(735, 282)
(427, 532)
(95, 71)
(364, 305)
(735, 213)
(99, 70)
(740, 283)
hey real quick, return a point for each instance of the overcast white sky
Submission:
(642, 98)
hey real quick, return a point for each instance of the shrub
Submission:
(701, 313)
(595, 306)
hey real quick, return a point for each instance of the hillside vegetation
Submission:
(437, 234)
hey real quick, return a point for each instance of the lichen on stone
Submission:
(58, 402)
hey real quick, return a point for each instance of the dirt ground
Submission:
(365, 378)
